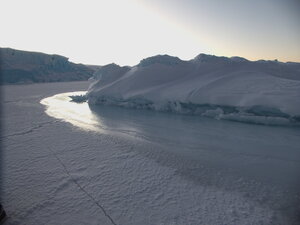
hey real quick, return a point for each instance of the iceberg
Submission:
(264, 92)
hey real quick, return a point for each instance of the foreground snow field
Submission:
(110, 165)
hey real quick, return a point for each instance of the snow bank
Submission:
(266, 92)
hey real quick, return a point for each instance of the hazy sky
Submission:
(125, 31)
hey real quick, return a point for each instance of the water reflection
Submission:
(189, 134)
(78, 114)
(251, 150)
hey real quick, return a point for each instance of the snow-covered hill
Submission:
(18, 66)
(234, 88)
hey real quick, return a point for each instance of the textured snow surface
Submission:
(266, 92)
(110, 165)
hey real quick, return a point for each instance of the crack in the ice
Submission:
(82, 189)
(11, 101)
(30, 130)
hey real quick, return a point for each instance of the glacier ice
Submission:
(264, 92)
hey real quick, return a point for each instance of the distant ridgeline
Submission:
(32, 67)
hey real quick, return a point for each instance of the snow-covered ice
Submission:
(265, 92)
(81, 164)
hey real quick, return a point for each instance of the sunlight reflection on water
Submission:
(241, 147)
(178, 130)
(60, 106)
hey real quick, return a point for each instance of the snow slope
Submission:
(234, 88)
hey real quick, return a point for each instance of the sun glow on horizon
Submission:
(126, 31)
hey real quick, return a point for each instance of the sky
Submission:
(125, 31)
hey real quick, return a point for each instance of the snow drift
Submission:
(265, 92)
